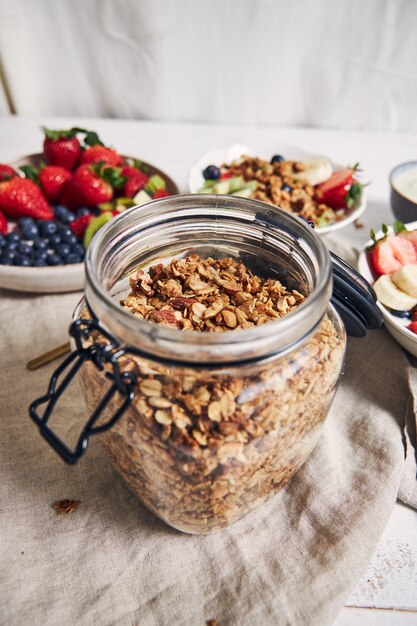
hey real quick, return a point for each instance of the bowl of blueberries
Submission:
(43, 255)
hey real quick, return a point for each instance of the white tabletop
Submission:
(387, 592)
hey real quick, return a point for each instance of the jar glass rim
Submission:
(120, 235)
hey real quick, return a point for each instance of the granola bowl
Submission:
(259, 183)
(209, 354)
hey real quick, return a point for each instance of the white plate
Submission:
(59, 278)
(395, 326)
(226, 155)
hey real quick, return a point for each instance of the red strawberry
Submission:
(61, 147)
(3, 223)
(391, 252)
(53, 179)
(160, 193)
(95, 182)
(98, 153)
(413, 327)
(70, 196)
(136, 180)
(21, 197)
(79, 225)
(341, 190)
(6, 172)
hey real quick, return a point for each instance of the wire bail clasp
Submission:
(100, 355)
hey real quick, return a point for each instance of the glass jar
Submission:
(204, 427)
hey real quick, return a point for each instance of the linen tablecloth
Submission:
(294, 561)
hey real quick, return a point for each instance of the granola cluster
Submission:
(274, 180)
(207, 295)
(202, 447)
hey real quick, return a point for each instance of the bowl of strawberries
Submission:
(389, 262)
(52, 203)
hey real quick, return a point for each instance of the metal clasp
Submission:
(122, 383)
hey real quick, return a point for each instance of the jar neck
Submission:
(268, 240)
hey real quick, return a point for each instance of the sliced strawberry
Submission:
(413, 327)
(160, 193)
(410, 235)
(392, 251)
(6, 172)
(79, 225)
(341, 190)
(3, 223)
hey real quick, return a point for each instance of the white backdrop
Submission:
(332, 63)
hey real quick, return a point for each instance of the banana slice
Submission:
(406, 279)
(392, 297)
(316, 171)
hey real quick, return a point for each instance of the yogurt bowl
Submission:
(403, 182)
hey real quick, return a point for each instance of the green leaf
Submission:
(92, 139)
(385, 229)
(30, 172)
(140, 165)
(353, 196)
(398, 227)
(54, 135)
(112, 175)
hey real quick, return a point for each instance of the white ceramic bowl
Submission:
(59, 278)
(226, 155)
(396, 326)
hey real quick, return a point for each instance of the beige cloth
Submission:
(292, 562)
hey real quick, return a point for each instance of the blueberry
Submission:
(277, 158)
(2, 241)
(70, 239)
(39, 263)
(73, 258)
(285, 187)
(63, 229)
(30, 231)
(13, 237)
(22, 260)
(54, 259)
(79, 250)
(41, 255)
(24, 248)
(83, 211)
(25, 221)
(11, 245)
(7, 258)
(47, 227)
(401, 314)
(212, 172)
(40, 243)
(63, 214)
(63, 250)
(54, 240)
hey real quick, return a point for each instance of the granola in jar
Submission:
(202, 446)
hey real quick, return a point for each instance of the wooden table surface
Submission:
(387, 592)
